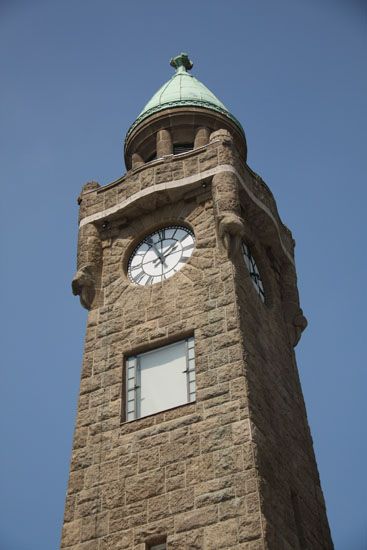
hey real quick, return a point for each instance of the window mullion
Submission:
(190, 370)
(138, 389)
(131, 401)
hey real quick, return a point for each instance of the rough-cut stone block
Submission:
(122, 540)
(71, 533)
(144, 486)
(181, 500)
(221, 535)
(249, 528)
(196, 518)
(94, 527)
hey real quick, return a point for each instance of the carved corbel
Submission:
(295, 320)
(299, 323)
(86, 282)
(231, 231)
(84, 285)
(227, 210)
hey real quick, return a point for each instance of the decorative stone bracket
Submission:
(227, 207)
(293, 315)
(84, 285)
(231, 231)
(87, 280)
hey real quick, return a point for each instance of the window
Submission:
(160, 379)
(152, 156)
(254, 272)
(182, 148)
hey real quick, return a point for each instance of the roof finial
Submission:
(183, 61)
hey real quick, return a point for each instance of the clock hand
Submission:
(168, 251)
(159, 254)
(170, 248)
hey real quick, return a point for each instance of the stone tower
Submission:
(191, 430)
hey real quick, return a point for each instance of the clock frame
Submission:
(160, 254)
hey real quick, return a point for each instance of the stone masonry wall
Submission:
(292, 500)
(234, 470)
(187, 473)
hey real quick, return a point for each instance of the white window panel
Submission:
(163, 379)
(160, 379)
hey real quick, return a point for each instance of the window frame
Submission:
(133, 379)
(253, 270)
(159, 546)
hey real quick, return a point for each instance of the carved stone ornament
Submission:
(298, 326)
(83, 285)
(231, 231)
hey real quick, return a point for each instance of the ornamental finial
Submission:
(181, 60)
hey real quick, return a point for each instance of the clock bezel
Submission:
(136, 243)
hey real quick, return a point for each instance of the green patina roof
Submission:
(181, 90)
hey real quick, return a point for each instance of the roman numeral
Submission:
(139, 277)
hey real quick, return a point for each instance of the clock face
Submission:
(254, 272)
(160, 255)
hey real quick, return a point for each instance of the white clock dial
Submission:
(160, 255)
(254, 272)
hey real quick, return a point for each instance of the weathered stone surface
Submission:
(122, 540)
(221, 472)
(221, 535)
(71, 533)
(94, 527)
(181, 500)
(144, 486)
(196, 518)
(249, 528)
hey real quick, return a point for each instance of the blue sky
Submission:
(74, 75)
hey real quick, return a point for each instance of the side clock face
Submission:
(253, 270)
(160, 255)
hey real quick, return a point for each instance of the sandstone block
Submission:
(113, 495)
(228, 461)
(217, 438)
(221, 535)
(144, 486)
(195, 519)
(214, 497)
(181, 500)
(71, 533)
(158, 508)
(121, 540)
(94, 527)
(249, 528)
(153, 530)
(148, 459)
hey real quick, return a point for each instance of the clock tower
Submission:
(191, 430)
